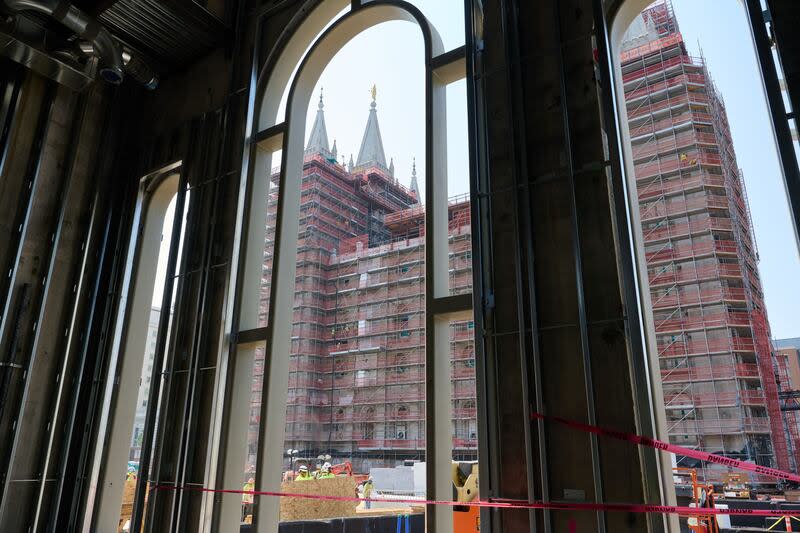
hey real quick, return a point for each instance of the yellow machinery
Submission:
(466, 518)
(736, 486)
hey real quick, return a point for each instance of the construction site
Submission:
(710, 320)
(357, 370)
(226, 308)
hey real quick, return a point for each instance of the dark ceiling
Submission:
(172, 34)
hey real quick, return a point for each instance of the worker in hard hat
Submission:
(247, 498)
(325, 472)
(368, 488)
(303, 474)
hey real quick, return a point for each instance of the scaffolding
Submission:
(701, 258)
(356, 387)
(790, 407)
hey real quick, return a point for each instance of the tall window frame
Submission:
(109, 461)
(304, 43)
(612, 26)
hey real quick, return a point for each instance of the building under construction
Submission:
(356, 388)
(713, 337)
(321, 308)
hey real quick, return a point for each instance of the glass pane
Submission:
(356, 388)
(458, 189)
(714, 227)
(269, 235)
(248, 479)
(465, 424)
(147, 376)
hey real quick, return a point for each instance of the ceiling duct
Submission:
(135, 67)
(23, 40)
(111, 69)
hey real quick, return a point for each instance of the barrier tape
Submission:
(672, 448)
(500, 503)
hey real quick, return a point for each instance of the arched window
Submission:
(141, 338)
(705, 188)
(273, 192)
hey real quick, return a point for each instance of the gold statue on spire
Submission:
(374, 92)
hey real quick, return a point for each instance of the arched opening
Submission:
(711, 229)
(274, 195)
(340, 217)
(140, 342)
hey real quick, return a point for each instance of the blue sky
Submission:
(390, 56)
(719, 29)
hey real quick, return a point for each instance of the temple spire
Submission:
(371, 151)
(414, 185)
(318, 140)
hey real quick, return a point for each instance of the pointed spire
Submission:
(350, 165)
(318, 140)
(371, 151)
(334, 151)
(414, 185)
(391, 167)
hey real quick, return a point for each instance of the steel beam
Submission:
(38, 374)
(780, 122)
(24, 211)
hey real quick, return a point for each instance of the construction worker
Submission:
(304, 474)
(247, 498)
(368, 488)
(325, 472)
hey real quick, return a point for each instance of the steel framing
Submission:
(65, 186)
(441, 70)
(232, 359)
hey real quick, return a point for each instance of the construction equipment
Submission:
(736, 486)
(466, 518)
(702, 498)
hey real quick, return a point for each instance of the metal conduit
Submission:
(84, 26)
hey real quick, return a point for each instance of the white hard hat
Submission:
(303, 468)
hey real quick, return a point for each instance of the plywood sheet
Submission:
(306, 509)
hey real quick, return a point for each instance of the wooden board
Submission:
(305, 509)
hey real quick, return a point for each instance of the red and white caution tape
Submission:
(567, 506)
(672, 448)
(507, 503)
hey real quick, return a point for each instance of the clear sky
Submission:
(390, 56)
(719, 29)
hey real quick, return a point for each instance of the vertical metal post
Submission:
(639, 362)
(78, 116)
(158, 363)
(23, 215)
(780, 120)
(229, 373)
(165, 412)
(526, 252)
(576, 251)
(81, 337)
(9, 102)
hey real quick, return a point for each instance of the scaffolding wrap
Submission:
(356, 386)
(717, 366)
